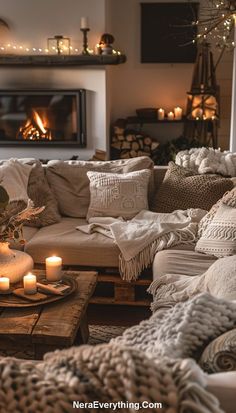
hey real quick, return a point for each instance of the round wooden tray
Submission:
(11, 300)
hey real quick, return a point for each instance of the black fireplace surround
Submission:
(43, 117)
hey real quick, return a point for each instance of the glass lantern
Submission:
(59, 45)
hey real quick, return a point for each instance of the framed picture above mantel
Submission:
(167, 32)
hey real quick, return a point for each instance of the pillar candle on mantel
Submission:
(161, 114)
(53, 268)
(171, 116)
(178, 113)
(29, 282)
(4, 284)
(84, 23)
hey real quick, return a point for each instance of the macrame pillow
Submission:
(118, 195)
(219, 238)
(183, 188)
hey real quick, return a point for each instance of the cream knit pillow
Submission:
(219, 238)
(118, 195)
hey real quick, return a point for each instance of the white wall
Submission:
(135, 85)
(31, 22)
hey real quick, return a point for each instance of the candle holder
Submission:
(85, 50)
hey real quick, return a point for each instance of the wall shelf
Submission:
(140, 121)
(66, 60)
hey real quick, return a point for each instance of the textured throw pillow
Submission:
(182, 188)
(41, 195)
(220, 355)
(229, 198)
(219, 238)
(70, 184)
(118, 195)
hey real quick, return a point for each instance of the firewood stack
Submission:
(130, 144)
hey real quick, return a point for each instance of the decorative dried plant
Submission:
(13, 216)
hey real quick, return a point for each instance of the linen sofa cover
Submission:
(183, 260)
(75, 247)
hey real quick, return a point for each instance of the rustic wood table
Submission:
(33, 331)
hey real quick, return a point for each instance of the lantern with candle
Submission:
(59, 45)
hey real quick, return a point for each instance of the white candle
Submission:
(29, 281)
(171, 116)
(53, 268)
(178, 112)
(4, 284)
(161, 114)
(84, 23)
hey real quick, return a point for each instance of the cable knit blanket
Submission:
(208, 160)
(143, 236)
(147, 363)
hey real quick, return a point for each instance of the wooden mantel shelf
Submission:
(66, 60)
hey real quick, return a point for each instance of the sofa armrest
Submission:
(220, 354)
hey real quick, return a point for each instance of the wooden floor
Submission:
(116, 314)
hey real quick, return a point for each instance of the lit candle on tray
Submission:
(178, 113)
(171, 116)
(161, 114)
(53, 268)
(29, 281)
(4, 284)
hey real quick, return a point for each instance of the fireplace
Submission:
(43, 117)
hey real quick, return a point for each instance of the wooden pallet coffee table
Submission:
(31, 332)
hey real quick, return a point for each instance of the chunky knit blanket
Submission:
(147, 233)
(149, 363)
(208, 160)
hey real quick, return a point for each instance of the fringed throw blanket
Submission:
(145, 364)
(147, 233)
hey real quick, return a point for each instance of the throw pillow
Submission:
(70, 184)
(229, 198)
(219, 238)
(41, 195)
(118, 195)
(220, 354)
(14, 177)
(182, 188)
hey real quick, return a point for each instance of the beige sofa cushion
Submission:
(70, 184)
(182, 188)
(75, 247)
(219, 238)
(118, 195)
(223, 386)
(181, 261)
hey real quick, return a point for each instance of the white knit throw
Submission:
(143, 364)
(143, 236)
(208, 160)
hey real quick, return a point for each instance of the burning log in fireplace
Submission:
(34, 129)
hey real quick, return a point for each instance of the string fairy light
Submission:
(21, 49)
(216, 23)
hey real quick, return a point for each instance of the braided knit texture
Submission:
(146, 363)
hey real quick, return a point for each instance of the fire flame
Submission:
(39, 122)
(34, 129)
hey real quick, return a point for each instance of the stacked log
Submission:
(130, 144)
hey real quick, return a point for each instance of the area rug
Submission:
(99, 334)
